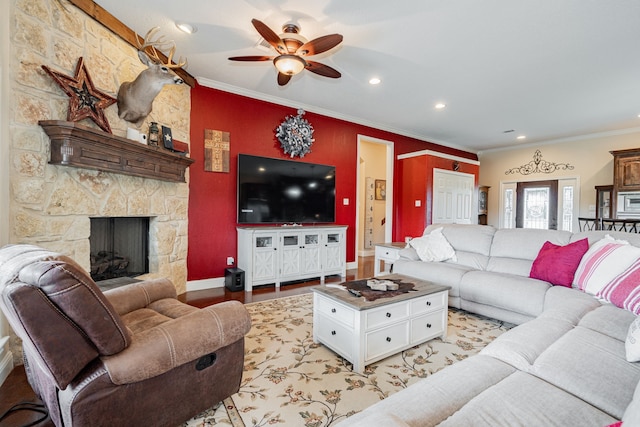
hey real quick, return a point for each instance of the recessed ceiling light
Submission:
(440, 106)
(374, 81)
(521, 137)
(186, 28)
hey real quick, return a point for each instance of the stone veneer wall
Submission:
(51, 205)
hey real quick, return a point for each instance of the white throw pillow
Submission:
(632, 343)
(433, 247)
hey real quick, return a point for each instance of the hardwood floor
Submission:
(16, 388)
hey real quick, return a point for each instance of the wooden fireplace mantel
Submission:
(84, 147)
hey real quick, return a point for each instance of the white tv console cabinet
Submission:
(281, 254)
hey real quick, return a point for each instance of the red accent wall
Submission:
(418, 171)
(251, 124)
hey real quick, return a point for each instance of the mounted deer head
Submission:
(135, 98)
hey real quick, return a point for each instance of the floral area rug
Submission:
(288, 380)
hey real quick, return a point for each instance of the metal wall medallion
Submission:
(537, 165)
(295, 135)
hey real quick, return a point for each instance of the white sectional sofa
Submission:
(564, 365)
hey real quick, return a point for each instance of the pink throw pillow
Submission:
(557, 264)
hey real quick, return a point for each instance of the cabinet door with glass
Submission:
(334, 258)
(311, 252)
(291, 254)
(264, 257)
(604, 199)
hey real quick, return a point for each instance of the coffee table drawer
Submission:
(336, 311)
(387, 314)
(429, 303)
(427, 326)
(387, 340)
(336, 336)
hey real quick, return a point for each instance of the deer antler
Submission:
(159, 44)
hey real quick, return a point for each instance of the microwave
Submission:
(628, 203)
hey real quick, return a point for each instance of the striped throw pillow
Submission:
(604, 260)
(624, 290)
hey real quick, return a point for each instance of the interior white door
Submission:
(453, 197)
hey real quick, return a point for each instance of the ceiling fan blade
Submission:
(251, 58)
(322, 70)
(272, 38)
(319, 45)
(283, 79)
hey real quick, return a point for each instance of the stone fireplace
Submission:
(51, 205)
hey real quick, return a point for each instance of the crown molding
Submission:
(213, 84)
(567, 139)
(438, 154)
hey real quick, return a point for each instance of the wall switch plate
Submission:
(230, 260)
(345, 201)
(418, 203)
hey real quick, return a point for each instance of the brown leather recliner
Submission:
(131, 356)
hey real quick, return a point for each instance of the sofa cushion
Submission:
(506, 291)
(568, 304)
(631, 415)
(604, 260)
(472, 243)
(432, 400)
(433, 247)
(441, 273)
(524, 400)
(521, 346)
(557, 264)
(608, 320)
(525, 243)
(591, 366)
(467, 237)
(513, 250)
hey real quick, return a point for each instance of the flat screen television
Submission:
(285, 191)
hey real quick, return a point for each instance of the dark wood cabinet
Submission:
(483, 200)
(626, 169)
(605, 204)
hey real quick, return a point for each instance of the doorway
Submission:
(374, 206)
(562, 208)
(537, 204)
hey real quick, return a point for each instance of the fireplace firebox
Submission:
(119, 247)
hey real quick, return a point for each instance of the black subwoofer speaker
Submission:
(234, 279)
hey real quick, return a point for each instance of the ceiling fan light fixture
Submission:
(289, 64)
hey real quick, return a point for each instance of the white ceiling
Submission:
(548, 69)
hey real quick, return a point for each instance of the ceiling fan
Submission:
(292, 50)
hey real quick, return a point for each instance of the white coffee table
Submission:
(364, 332)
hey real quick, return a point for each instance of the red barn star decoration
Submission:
(85, 100)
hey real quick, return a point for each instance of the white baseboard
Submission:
(352, 265)
(199, 285)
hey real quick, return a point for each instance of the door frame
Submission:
(504, 184)
(388, 227)
(554, 204)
